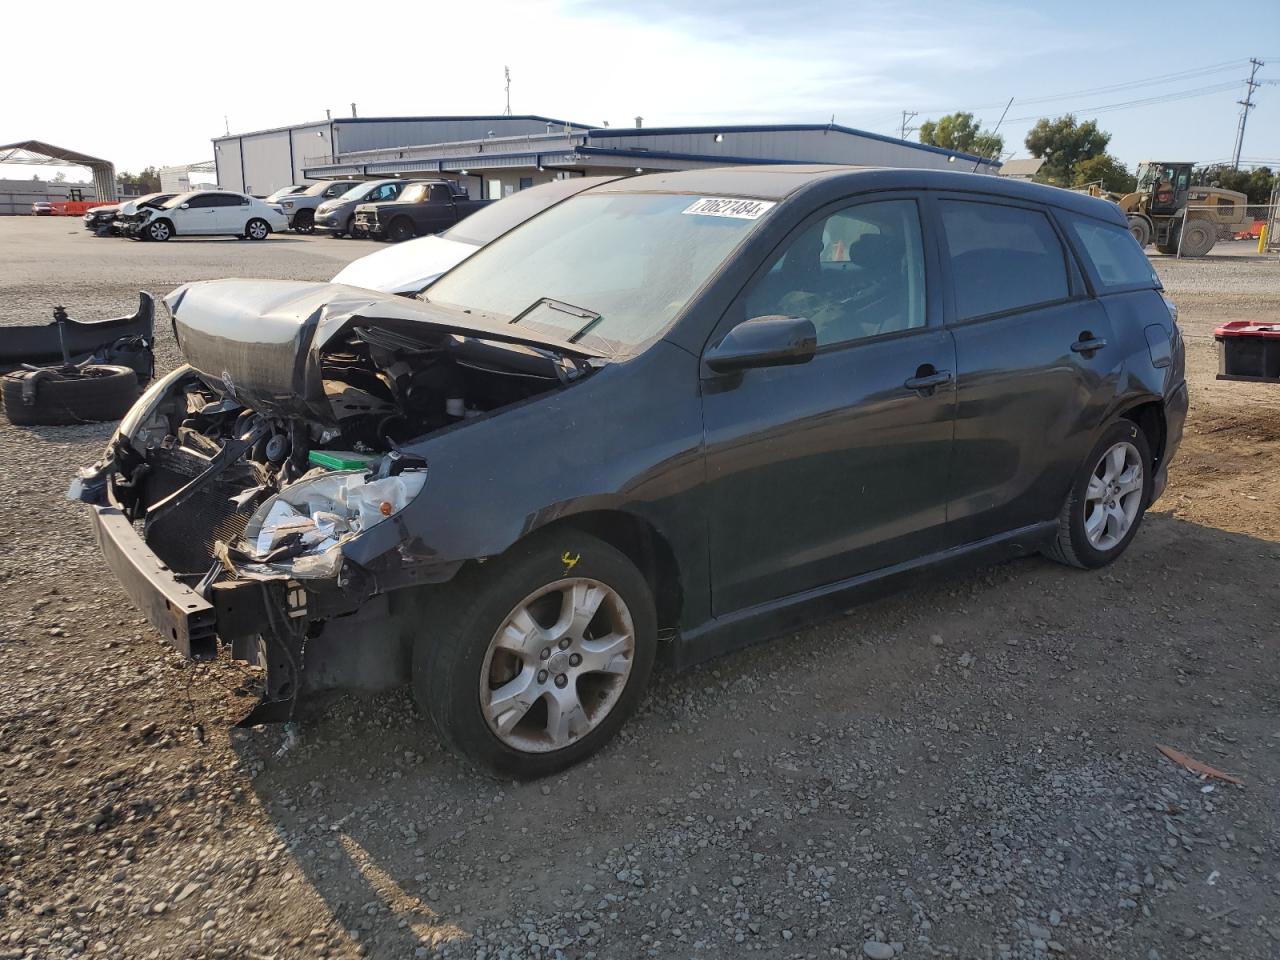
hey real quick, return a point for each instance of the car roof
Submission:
(780, 181)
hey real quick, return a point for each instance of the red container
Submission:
(1248, 350)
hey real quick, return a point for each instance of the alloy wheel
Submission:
(1114, 496)
(557, 665)
(257, 230)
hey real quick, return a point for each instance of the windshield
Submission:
(285, 192)
(492, 221)
(415, 193)
(625, 263)
(179, 200)
(360, 191)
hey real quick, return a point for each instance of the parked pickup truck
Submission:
(423, 208)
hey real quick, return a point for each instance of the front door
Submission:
(826, 470)
(200, 218)
(1036, 360)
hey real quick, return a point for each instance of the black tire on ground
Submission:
(401, 229)
(1141, 230)
(102, 392)
(158, 230)
(305, 221)
(1071, 541)
(257, 229)
(448, 660)
(1198, 238)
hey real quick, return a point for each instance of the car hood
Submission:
(406, 267)
(259, 341)
(105, 208)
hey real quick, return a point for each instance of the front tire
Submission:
(536, 659)
(257, 229)
(1107, 501)
(159, 230)
(1140, 230)
(401, 229)
(305, 222)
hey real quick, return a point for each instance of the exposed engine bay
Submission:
(202, 465)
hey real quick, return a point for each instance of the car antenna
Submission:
(993, 133)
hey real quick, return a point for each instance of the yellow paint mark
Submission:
(570, 561)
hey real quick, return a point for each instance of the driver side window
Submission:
(858, 273)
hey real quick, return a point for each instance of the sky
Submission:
(179, 74)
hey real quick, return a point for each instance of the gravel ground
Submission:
(966, 769)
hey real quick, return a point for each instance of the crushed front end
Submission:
(256, 499)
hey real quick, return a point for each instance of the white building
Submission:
(496, 155)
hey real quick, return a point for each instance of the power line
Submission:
(907, 117)
(1145, 101)
(1191, 73)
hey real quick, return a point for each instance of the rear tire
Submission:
(1198, 238)
(466, 657)
(257, 229)
(103, 392)
(1108, 500)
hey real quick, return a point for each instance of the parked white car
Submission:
(206, 213)
(407, 268)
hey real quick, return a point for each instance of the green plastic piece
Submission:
(340, 459)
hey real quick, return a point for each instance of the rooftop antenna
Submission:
(993, 132)
(507, 72)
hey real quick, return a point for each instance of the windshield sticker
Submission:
(730, 207)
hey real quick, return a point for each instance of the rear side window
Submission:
(1002, 258)
(1117, 259)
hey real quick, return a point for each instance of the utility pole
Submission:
(907, 117)
(507, 71)
(1246, 105)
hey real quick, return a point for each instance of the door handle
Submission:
(925, 382)
(1087, 345)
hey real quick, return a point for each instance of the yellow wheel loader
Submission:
(1165, 194)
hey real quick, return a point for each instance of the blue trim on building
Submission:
(779, 128)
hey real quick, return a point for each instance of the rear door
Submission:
(233, 213)
(1036, 360)
(836, 467)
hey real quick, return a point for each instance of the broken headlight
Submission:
(300, 531)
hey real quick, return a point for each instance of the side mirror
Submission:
(773, 341)
(185, 206)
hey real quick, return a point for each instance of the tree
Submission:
(1107, 170)
(960, 132)
(1063, 143)
(59, 177)
(148, 181)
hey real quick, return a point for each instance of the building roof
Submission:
(436, 119)
(785, 128)
(1023, 167)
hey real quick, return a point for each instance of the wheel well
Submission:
(644, 546)
(1150, 418)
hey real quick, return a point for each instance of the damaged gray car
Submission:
(667, 417)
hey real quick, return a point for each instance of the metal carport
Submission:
(46, 154)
